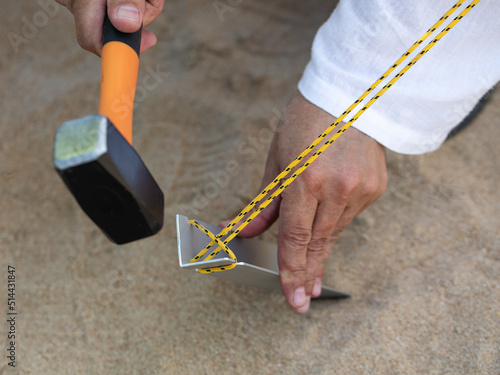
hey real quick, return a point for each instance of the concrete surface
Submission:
(422, 264)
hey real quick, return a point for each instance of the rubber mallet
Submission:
(94, 155)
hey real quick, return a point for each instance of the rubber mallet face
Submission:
(108, 179)
(94, 155)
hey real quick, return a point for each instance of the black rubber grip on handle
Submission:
(111, 34)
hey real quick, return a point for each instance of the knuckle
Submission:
(292, 276)
(291, 262)
(319, 249)
(347, 184)
(152, 11)
(323, 229)
(314, 179)
(85, 43)
(310, 279)
(371, 187)
(297, 237)
(156, 7)
(317, 246)
(375, 186)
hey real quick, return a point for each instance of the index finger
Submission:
(89, 18)
(297, 212)
(152, 11)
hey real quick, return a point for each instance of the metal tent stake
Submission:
(257, 261)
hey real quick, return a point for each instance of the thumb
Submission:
(126, 15)
(269, 215)
(261, 222)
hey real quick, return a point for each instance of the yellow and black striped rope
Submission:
(219, 242)
(271, 189)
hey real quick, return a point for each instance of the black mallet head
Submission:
(108, 179)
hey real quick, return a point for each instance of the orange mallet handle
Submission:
(119, 68)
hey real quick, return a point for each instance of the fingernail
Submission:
(299, 297)
(128, 12)
(316, 288)
(305, 308)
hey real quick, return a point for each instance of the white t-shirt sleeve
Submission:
(362, 39)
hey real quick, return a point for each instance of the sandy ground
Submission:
(422, 264)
